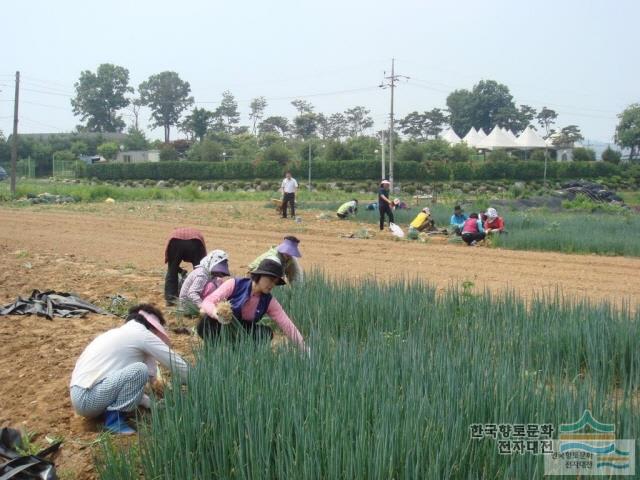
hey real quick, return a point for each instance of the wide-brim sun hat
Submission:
(221, 269)
(155, 323)
(385, 182)
(270, 268)
(289, 246)
(492, 213)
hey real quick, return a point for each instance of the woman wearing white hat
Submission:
(493, 223)
(110, 375)
(205, 278)
(385, 205)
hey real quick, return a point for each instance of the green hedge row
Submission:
(359, 170)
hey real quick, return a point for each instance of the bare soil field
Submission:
(98, 250)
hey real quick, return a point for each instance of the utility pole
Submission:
(391, 84)
(14, 139)
(382, 146)
(309, 166)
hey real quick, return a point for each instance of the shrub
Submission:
(108, 150)
(582, 154)
(436, 150)
(206, 151)
(611, 156)
(410, 152)
(168, 153)
(277, 152)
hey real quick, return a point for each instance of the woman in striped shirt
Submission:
(205, 278)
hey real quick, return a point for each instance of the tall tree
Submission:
(436, 121)
(568, 136)
(485, 106)
(628, 130)
(302, 106)
(277, 125)
(337, 125)
(167, 95)
(546, 118)
(324, 128)
(257, 108)
(227, 112)
(305, 125)
(422, 126)
(358, 120)
(414, 126)
(197, 123)
(100, 95)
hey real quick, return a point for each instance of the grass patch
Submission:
(581, 227)
(395, 378)
(85, 192)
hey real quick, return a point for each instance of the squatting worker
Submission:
(494, 222)
(183, 245)
(286, 254)
(289, 188)
(472, 230)
(457, 220)
(422, 222)
(385, 206)
(347, 209)
(110, 375)
(205, 278)
(250, 300)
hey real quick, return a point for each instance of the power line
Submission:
(30, 120)
(47, 93)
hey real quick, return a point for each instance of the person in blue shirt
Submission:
(457, 220)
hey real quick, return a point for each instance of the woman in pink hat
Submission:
(110, 375)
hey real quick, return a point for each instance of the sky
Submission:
(578, 57)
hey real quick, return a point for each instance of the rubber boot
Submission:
(115, 423)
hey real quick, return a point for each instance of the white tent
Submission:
(450, 136)
(481, 133)
(530, 139)
(472, 138)
(511, 135)
(497, 139)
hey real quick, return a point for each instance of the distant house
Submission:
(137, 156)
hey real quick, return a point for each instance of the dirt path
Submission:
(98, 250)
(134, 235)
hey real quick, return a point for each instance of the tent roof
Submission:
(472, 138)
(511, 135)
(450, 136)
(530, 139)
(481, 133)
(497, 139)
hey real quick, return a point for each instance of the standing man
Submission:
(184, 244)
(289, 188)
(384, 203)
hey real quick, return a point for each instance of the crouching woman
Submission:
(110, 375)
(250, 300)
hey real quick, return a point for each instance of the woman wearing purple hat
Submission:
(205, 278)
(110, 375)
(286, 254)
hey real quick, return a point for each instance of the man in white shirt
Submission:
(289, 188)
(110, 375)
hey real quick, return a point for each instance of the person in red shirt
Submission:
(183, 245)
(493, 223)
